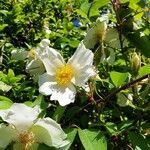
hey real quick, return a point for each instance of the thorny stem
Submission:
(126, 86)
(116, 7)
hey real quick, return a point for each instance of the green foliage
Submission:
(92, 139)
(118, 78)
(5, 102)
(103, 117)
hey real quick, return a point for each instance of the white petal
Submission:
(82, 57)
(82, 61)
(51, 60)
(85, 73)
(35, 67)
(46, 84)
(19, 54)
(45, 43)
(7, 134)
(64, 96)
(95, 34)
(20, 115)
(49, 132)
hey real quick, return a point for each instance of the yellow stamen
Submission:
(32, 53)
(27, 139)
(64, 75)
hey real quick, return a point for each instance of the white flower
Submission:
(95, 34)
(26, 131)
(60, 77)
(34, 65)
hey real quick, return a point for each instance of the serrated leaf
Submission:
(92, 139)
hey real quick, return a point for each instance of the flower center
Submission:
(27, 139)
(32, 53)
(64, 75)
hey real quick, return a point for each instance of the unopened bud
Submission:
(32, 53)
(122, 100)
(135, 63)
(44, 43)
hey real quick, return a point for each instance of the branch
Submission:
(126, 86)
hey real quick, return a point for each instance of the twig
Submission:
(126, 86)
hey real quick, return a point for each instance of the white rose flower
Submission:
(27, 131)
(60, 77)
(34, 65)
(96, 34)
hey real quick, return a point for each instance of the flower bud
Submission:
(44, 43)
(122, 100)
(135, 63)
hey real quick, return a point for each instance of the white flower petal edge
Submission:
(82, 57)
(51, 60)
(35, 67)
(7, 135)
(47, 131)
(82, 61)
(64, 96)
(96, 33)
(20, 115)
(19, 54)
(34, 131)
(45, 86)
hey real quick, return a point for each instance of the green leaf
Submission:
(10, 73)
(139, 141)
(5, 102)
(83, 11)
(92, 139)
(28, 103)
(112, 128)
(122, 100)
(3, 26)
(74, 43)
(144, 70)
(4, 87)
(40, 102)
(71, 134)
(125, 124)
(58, 113)
(118, 78)
(94, 10)
(141, 43)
